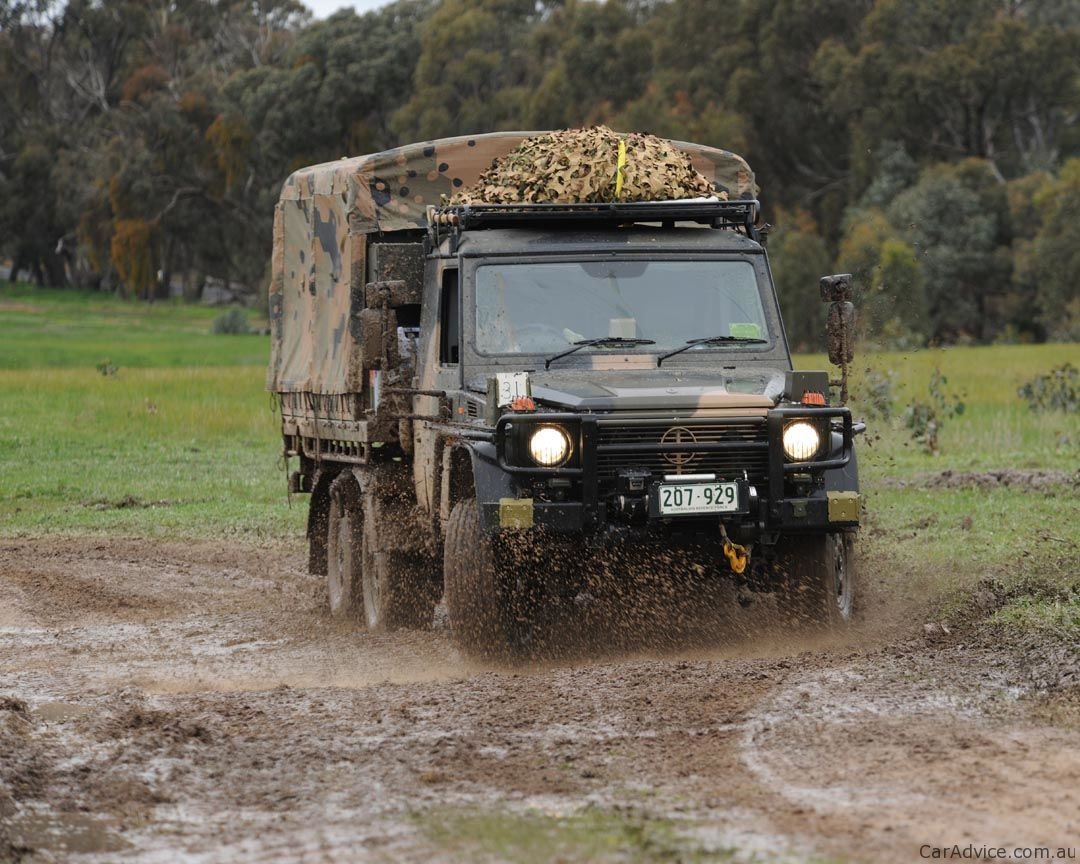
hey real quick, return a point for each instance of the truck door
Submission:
(439, 369)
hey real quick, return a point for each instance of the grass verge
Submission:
(589, 835)
(191, 452)
(126, 418)
(996, 429)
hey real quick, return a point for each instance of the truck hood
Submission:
(656, 389)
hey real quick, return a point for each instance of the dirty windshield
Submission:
(542, 307)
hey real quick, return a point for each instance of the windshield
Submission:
(543, 307)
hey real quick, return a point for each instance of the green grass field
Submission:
(181, 441)
(932, 545)
(996, 429)
(47, 328)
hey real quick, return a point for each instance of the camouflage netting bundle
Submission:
(583, 165)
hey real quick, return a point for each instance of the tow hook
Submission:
(736, 555)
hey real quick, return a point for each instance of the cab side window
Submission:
(450, 319)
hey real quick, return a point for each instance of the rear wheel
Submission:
(344, 564)
(318, 525)
(820, 579)
(397, 587)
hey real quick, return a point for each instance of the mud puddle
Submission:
(195, 703)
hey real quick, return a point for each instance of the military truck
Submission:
(483, 399)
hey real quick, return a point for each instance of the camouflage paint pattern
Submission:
(314, 265)
(325, 213)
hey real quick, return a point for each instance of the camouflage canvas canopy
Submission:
(391, 191)
(326, 211)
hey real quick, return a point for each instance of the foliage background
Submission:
(929, 146)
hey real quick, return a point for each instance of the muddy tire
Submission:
(344, 565)
(318, 525)
(819, 580)
(481, 618)
(396, 587)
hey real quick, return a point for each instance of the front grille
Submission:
(726, 449)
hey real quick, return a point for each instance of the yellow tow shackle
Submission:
(736, 555)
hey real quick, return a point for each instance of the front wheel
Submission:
(820, 574)
(492, 616)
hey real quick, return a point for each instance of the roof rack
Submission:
(739, 215)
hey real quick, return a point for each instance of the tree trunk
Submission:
(17, 265)
(55, 272)
(193, 283)
(164, 284)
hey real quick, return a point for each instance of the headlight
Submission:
(801, 441)
(549, 446)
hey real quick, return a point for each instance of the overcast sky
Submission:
(322, 8)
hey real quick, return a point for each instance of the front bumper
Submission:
(827, 511)
(618, 461)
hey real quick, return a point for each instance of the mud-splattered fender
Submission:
(471, 470)
(490, 481)
(844, 479)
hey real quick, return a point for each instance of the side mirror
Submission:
(836, 291)
(836, 288)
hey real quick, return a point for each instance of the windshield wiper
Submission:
(601, 340)
(711, 340)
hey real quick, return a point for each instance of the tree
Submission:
(799, 259)
(28, 212)
(1057, 253)
(471, 69)
(29, 223)
(954, 80)
(795, 142)
(134, 253)
(956, 220)
(888, 279)
(919, 142)
(589, 60)
(365, 69)
(1019, 310)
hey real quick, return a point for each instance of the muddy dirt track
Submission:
(163, 702)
